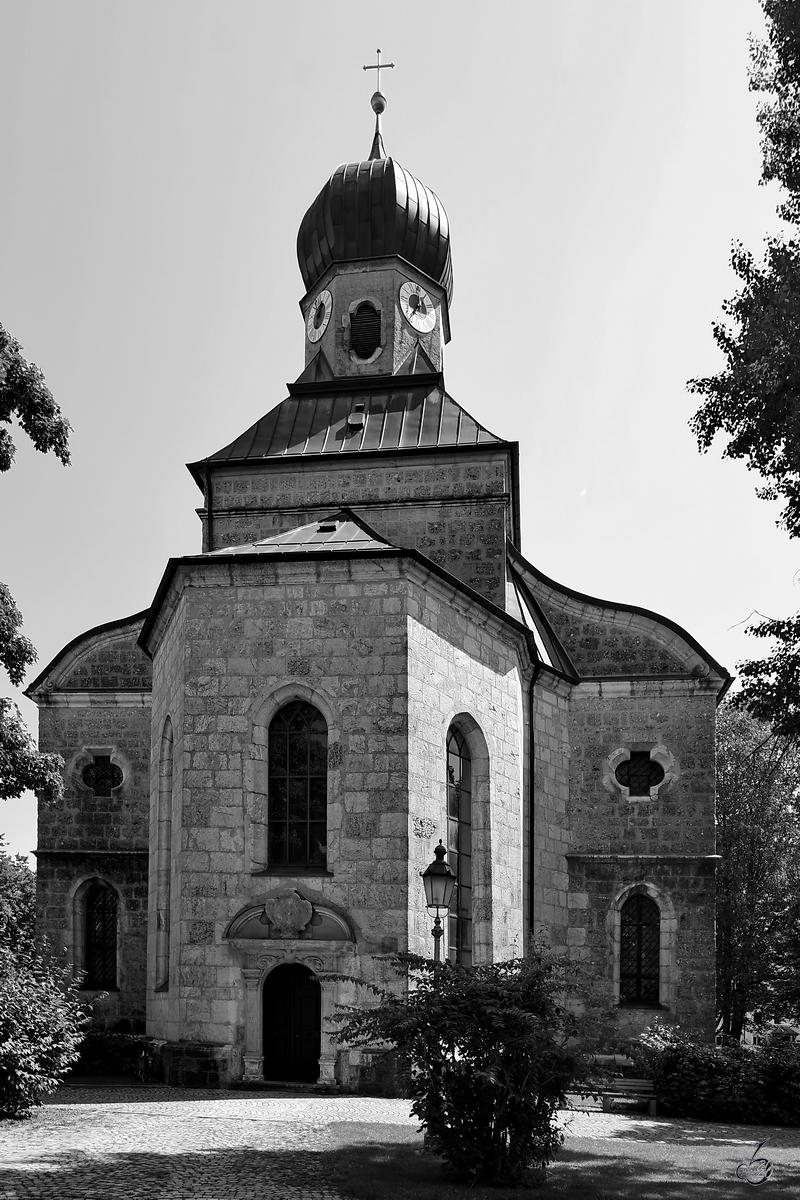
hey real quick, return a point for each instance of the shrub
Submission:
(104, 1053)
(40, 1027)
(724, 1083)
(487, 1054)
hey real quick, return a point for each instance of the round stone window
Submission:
(639, 773)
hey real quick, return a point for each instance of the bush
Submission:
(40, 1027)
(104, 1053)
(487, 1055)
(723, 1083)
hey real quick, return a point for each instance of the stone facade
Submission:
(456, 508)
(95, 702)
(365, 582)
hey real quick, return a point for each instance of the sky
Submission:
(597, 159)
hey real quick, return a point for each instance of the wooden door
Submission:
(292, 1022)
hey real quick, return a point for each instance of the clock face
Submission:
(418, 308)
(318, 316)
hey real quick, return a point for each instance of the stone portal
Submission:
(292, 1024)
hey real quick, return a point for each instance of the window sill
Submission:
(650, 1006)
(296, 872)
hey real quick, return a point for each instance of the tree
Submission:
(755, 399)
(488, 1053)
(17, 903)
(41, 1022)
(758, 879)
(24, 397)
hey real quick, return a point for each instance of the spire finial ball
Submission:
(378, 102)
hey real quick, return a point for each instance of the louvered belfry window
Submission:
(459, 846)
(365, 330)
(639, 954)
(639, 773)
(100, 946)
(298, 787)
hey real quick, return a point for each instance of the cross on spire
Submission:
(377, 67)
(378, 103)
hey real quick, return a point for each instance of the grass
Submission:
(388, 1163)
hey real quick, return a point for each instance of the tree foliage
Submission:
(41, 1023)
(758, 879)
(17, 903)
(754, 401)
(488, 1054)
(721, 1083)
(26, 398)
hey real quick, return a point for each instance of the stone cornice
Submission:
(93, 699)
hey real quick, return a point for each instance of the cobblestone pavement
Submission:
(143, 1143)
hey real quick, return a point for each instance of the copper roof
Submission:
(374, 209)
(405, 418)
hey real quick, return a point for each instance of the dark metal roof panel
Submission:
(374, 209)
(406, 419)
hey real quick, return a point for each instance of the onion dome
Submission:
(374, 209)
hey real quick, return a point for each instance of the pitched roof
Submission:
(602, 639)
(342, 531)
(403, 416)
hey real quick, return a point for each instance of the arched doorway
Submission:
(292, 1022)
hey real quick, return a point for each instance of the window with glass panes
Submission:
(459, 847)
(298, 787)
(640, 951)
(100, 943)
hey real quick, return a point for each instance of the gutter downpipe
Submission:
(537, 670)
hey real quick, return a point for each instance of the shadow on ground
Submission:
(369, 1162)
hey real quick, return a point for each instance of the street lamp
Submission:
(439, 882)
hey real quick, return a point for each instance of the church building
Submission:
(358, 663)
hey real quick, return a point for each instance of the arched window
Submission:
(298, 787)
(365, 330)
(100, 937)
(164, 857)
(459, 846)
(639, 952)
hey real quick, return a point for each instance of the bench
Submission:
(630, 1089)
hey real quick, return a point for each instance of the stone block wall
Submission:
(95, 700)
(58, 880)
(241, 641)
(472, 675)
(352, 283)
(550, 810)
(659, 843)
(676, 715)
(454, 507)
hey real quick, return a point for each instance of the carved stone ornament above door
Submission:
(288, 913)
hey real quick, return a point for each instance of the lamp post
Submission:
(438, 881)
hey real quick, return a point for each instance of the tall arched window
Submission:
(100, 937)
(164, 857)
(459, 846)
(298, 787)
(639, 951)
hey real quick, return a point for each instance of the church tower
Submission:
(368, 422)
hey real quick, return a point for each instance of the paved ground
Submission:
(142, 1143)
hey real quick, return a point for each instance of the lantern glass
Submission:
(439, 881)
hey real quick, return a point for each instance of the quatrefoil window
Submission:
(102, 775)
(639, 773)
